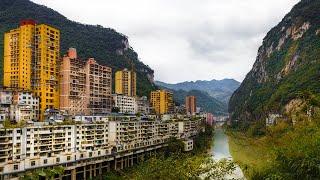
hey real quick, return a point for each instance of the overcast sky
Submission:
(184, 40)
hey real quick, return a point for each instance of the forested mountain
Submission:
(204, 100)
(106, 45)
(219, 89)
(285, 79)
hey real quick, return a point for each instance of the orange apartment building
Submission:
(191, 105)
(85, 86)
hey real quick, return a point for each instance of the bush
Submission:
(257, 129)
(279, 129)
(296, 152)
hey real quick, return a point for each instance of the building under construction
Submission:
(85, 86)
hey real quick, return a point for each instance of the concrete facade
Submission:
(126, 104)
(18, 106)
(31, 56)
(143, 105)
(33, 147)
(125, 82)
(191, 105)
(85, 86)
(162, 102)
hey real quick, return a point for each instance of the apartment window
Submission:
(15, 167)
(68, 158)
(33, 163)
(58, 160)
(81, 155)
(45, 161)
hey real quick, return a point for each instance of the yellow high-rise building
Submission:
(31, 55)
(162, 102)
(18, 53)
(125, 83)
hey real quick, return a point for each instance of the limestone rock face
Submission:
(286, 68)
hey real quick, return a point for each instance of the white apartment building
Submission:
(74, 146)
(28, 99)
(126, 104)
(18, 105)
(21, 113)
(143, 105)
(5, 102)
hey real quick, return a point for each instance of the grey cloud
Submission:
(200, 39)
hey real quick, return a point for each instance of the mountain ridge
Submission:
(218, 89)
(204, 100)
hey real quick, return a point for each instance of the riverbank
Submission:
(253, 155)
(284, 152)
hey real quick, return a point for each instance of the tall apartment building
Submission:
(209, 119)
(99, 78)
(19, 46)
(31, 54)
(191, 105)
(162, 101)
(85, 86)
(125, 82)
(126, 104)
(73, 84)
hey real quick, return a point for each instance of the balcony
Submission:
(42, 150)
(43, 137)
(45, 143)
(5, 141)
(45, 132)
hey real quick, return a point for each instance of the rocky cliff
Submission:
(285, 78)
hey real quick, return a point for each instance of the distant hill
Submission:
(204, 100)
(285, 79)
(219, 89)
(106, 45)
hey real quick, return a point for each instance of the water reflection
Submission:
(221, 150)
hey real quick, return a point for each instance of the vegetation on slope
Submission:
(204, 100)
(286, 70)
(219, 89)
(251, 154)
(106, 45)
(282, 151)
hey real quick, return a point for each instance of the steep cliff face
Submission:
(106, 45)
(285, 79)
